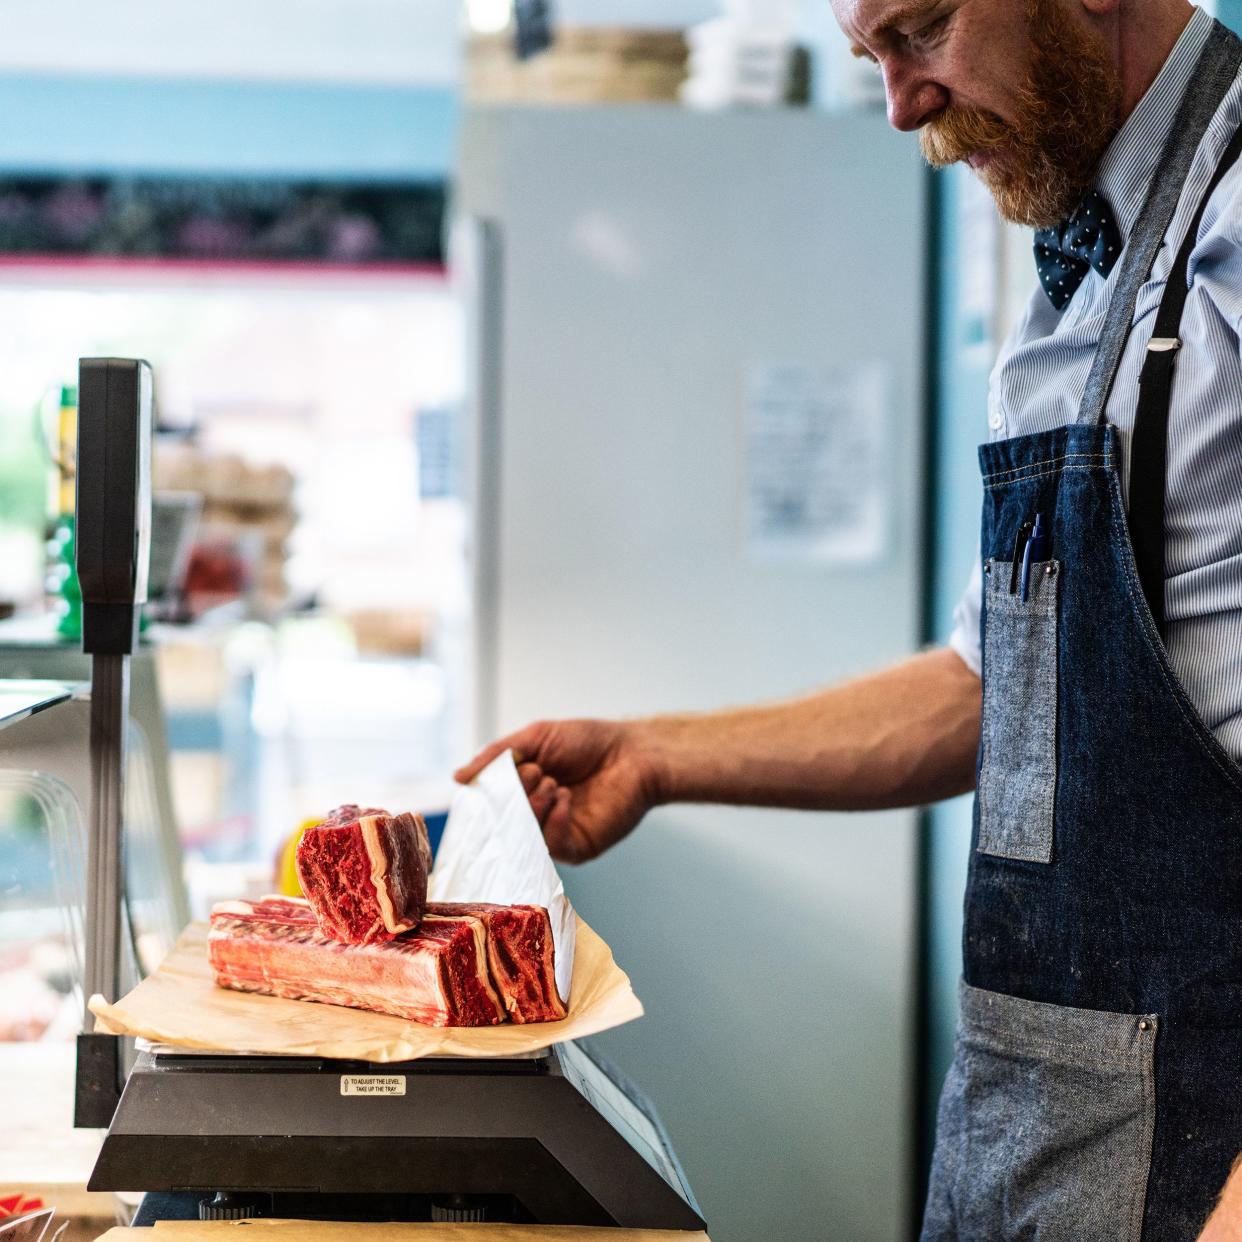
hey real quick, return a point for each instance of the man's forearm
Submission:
(902, 737)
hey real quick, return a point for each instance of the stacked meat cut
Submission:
(365, 873)
(366, 937)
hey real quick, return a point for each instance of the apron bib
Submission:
(1096, 1089)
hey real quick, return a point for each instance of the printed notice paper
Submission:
(816, 486)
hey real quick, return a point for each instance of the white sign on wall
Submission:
(817, 487)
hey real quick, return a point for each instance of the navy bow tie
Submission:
(1089, 238)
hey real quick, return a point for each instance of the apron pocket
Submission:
(1018, 761)
(1046, 1124)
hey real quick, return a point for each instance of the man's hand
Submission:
(1225, 1224)
(901, 737)
(588, 781)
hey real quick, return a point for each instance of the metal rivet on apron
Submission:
(1144, 1025)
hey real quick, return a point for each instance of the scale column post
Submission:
(113, 534)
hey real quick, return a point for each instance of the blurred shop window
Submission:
(312, 644)
(22, 502)
(243, 516)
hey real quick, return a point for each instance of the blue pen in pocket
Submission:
(1036, 550)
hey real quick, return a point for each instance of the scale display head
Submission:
(113, 508)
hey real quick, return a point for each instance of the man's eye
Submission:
(929, 33)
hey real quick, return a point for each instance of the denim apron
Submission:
(1096, 1089)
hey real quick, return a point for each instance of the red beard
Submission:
(1041, 164)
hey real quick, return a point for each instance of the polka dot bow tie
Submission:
(1089, 238)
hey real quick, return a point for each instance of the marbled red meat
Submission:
(365, 873)
(436, 975)
(520, 956)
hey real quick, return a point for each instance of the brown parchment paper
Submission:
(326, 1231)
(180, 1004)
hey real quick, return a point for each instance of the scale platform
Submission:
(562, 1138)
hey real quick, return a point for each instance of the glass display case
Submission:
(44, 791)
(44, 798)
(42, 854)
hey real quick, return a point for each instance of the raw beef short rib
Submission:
(365, 873)
(436, 975)
(520, 956)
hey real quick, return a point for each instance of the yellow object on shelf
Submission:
(287, 883)
(67, 449)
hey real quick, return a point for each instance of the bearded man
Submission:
(1092, 690)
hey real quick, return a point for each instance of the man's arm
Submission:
(901, 737)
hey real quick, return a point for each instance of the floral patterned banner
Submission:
(210, 219)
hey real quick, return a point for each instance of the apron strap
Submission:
(1213, 75)
(1149, 445)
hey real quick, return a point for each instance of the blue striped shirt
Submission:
(1041, 372)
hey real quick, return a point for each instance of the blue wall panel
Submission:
(55, 124)
(963, 364)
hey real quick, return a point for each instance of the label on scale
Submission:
(372, 1084)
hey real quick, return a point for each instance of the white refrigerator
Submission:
(697, 424)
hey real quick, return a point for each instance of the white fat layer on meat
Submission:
(480, 948)
(243, 908)
(379, 872)
(267, 972)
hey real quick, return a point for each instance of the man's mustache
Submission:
(960, 132)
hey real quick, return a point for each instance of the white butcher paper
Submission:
(493, 851)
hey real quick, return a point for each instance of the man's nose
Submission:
(912, 100)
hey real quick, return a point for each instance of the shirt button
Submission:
(996, 419)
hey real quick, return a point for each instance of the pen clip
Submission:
(1019, 547)
(1036, 550)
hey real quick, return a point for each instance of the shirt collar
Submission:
(1129, 164)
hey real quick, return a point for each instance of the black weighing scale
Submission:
(561, 1138)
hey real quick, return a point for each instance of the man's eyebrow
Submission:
(897, 17)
